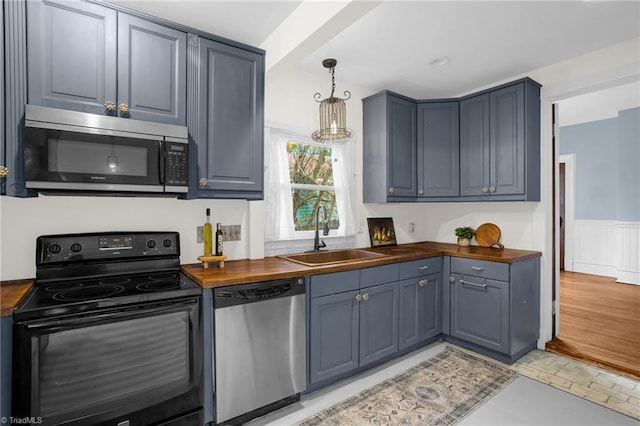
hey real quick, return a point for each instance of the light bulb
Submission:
(334, 127)
(112, 163)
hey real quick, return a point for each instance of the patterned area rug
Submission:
(439, 391)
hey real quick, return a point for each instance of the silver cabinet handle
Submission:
(423, 283)
(391, 190)
(422, 268)
(485, 189)
(365, 296)
(473, 284)
(4, 172)
(421, 192)
(492, 189)
(358, 297)
(452, 279)
(476, 268)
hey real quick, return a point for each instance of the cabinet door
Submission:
(480, 311)
(378, 322)
(420, 313)
(152, 70)
(333, 335)
(409, 313)
(507, 141)
(438, 150)
(71, 55)
(230, 134)
(401, 176)
(430, 300)
(474, 146)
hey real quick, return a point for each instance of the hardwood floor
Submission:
(599, 322)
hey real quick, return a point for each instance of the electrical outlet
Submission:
(231, 233)
(199, 231)
(412, 227)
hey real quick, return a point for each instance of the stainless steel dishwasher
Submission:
(260, 349)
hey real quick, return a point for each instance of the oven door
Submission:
(138, 365)
(70, 160)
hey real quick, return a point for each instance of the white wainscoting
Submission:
(608, 248)
(628, 242)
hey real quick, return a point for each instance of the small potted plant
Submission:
(465, 234)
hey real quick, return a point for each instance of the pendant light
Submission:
(333, 111)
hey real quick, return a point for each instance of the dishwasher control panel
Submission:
(257, 292)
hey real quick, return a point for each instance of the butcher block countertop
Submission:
(272, 268)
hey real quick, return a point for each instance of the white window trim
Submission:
(280, 237)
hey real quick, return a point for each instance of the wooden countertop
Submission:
(271, 268)
(11, 293)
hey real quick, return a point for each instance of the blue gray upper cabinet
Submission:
(389, 157)
(230, 126)
(82, 55)
(500, 143)
(438, 149)
(152, 70)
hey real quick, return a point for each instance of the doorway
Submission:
(596, 316)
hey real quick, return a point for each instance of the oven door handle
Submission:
(112, 315)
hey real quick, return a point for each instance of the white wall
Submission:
(22, 220)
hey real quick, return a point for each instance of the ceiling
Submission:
(390, 44)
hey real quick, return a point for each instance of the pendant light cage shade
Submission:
(333, 112)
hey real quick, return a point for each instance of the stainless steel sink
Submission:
(330, 257)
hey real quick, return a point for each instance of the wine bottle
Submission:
(207, 236)
(218, 239)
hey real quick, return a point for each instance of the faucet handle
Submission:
(322, 244)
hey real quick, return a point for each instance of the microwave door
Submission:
(63, 159)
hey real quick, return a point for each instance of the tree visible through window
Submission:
(312, 184)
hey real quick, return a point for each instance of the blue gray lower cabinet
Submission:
(494, 308)
(378, 322)
(420, 313)
(333, 331)
(207, 329)
(363, 317)
(6, 333)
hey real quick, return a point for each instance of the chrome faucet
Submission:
(317, 243)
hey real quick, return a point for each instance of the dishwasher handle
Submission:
(257, 292)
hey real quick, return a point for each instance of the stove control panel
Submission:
(113, 246)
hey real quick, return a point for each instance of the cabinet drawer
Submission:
(480, 268)
(338, 282)
(416, 268)
(379, 275)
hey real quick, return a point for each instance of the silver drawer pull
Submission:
(422, 268)
(476, 268)
(365, 296)
(473, 284)
(423, 283)
(358, 297)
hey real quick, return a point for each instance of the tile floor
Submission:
(525, 401)
(620, 393)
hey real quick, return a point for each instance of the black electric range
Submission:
(84, 272)
(110, 334)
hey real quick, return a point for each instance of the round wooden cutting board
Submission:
(488, 235)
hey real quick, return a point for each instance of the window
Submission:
(312, 184)
(303, 175)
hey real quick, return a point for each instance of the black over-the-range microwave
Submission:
(80, 152)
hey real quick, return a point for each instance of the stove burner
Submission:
(168, 276)
(63, 286)
(116, 280)
(87, 293)
(160, 285)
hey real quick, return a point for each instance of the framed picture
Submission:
(381, 231)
